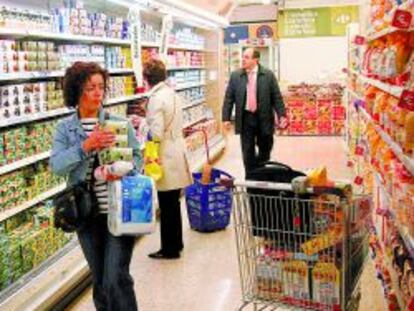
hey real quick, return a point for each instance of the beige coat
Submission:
(165, 120)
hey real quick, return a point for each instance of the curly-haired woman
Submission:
(77, 140)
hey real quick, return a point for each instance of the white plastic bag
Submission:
(133, 201)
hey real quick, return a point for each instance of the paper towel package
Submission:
(133, 201)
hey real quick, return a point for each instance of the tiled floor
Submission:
(206, 277)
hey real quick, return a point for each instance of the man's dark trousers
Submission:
(252, 136)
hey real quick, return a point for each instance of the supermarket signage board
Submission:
(316, 22)
(263, 31)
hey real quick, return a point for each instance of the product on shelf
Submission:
(71, 53)
(193, 95)
(120, 86)
(72, 18)
(25, 56)
(194, 114)
(187, 78)
(21, 142)
(25, 184)
(27, 240)
(387, 58)
(196, 140)
(315, 110)
(17, 100)
(382, 12)
(185, 36)
(149, 33)
(185, 59)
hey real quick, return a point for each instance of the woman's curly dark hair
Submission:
(154, 72)
(75, 78)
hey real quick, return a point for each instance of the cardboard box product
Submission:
(116, 154)
(117, 127)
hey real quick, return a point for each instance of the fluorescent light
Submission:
(179, 9)
(120, 2)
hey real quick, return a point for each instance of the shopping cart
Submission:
(312, 264)
(208, 205)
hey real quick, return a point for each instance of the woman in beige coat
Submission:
(165, 121)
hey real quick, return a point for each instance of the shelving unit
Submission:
(44, 196)
(39, 35)
(408, 162)
(391, 89)
(42, 288)
(391, 198)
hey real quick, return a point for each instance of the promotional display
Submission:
(314, 110)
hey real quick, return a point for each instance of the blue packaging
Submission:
(137, 199)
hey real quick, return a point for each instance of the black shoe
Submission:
(161, 255)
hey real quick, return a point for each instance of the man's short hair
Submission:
(256, 53)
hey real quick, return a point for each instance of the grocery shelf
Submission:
(36, 75)
(199, 157)
(185, 47)
(386, 31)
(32, 34)
(190, 86)
(24, 162)
(45, 285)
(408, 162)
(117, 100)
(35, 117)
(30, 75)
(40, 198)
(192, 122)
(195, 103)
(186, 68)
(120, 70)
(149, 44)
(391, 89)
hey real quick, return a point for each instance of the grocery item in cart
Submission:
(296, 291)
(325, 283)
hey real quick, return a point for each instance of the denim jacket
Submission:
(68, 158)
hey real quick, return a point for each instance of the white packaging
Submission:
(133, 202)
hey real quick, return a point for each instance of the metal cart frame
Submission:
(267, 246)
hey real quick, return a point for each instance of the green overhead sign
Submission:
(316, 22)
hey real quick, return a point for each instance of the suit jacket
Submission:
(269, 99)
(165, 121)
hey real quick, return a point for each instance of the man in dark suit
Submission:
(255, 92)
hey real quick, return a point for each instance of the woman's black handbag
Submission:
(75, 205)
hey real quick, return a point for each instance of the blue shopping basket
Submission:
(209, 206)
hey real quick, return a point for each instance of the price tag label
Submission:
(358, 180)
(359, 150)
(407, 100)
(359, 40)
(402, 19)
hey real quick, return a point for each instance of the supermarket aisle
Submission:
(206, 277)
